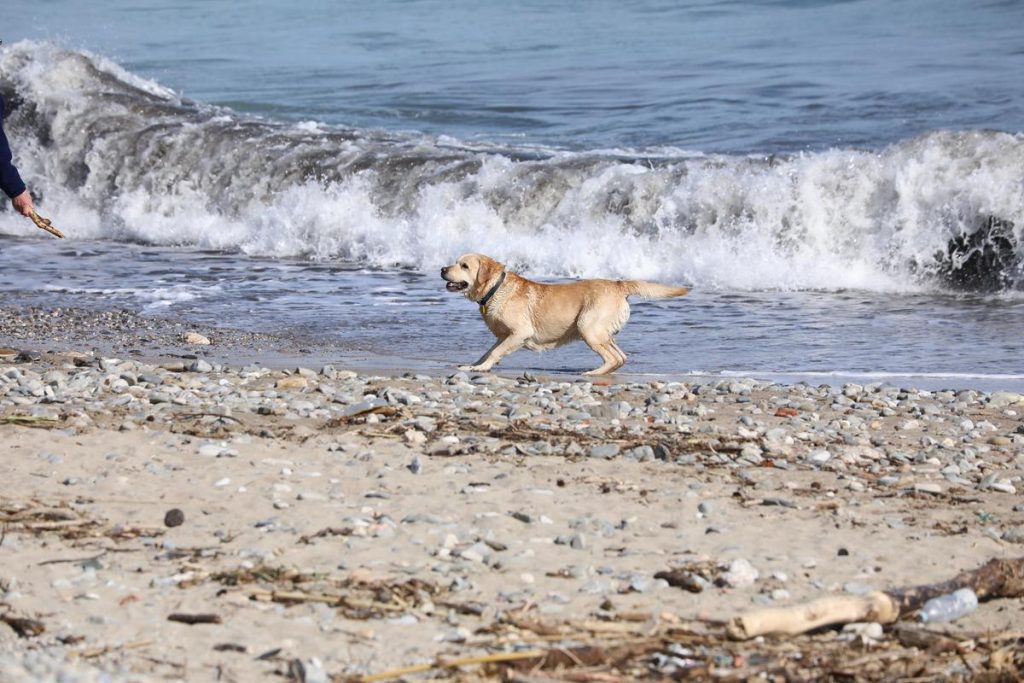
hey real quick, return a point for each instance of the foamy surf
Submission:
(118, 157)
(931, 381)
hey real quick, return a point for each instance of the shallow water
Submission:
(406, 319)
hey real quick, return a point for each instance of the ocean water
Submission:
(842, 183)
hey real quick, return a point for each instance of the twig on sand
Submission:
(30, 421)
(23, 626)
(19, 514)
(444, 663)
(100, 651)
(68, 560)
(190, 619)
(216, 415)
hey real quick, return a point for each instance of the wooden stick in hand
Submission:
(45, 224)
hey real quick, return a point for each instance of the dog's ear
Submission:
(487, 270)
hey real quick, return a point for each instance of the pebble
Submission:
(292, 383)
(200, 366)
(740, 574)
(174, 517)
(604, 451)
(195, 339)
(819, 457)
(869, 630)
(414, 437)
(211, 450)
(1014, 535)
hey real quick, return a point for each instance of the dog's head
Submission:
(471, 274)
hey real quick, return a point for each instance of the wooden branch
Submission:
(23, 626)
(997, 578)
(443, 663)
(45, 224)
(994, 579)
(194, 618)
(875, 606)
(52, 526)
(102, 650)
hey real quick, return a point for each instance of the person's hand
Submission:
(23, 204)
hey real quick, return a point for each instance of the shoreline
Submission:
(122, 333)
(458, 514)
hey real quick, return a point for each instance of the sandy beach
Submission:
(185, 519)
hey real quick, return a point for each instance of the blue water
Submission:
(842, 183)
(763, 76)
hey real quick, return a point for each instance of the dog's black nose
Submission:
(444, 270)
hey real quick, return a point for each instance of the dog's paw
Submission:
(475, 368)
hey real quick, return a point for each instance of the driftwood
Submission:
(875, 606)
(994, 579)
(104, 649)
(190, 619)
(31, 421)
(443, 663)
(24, 627)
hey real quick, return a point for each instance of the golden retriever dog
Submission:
(521, 312)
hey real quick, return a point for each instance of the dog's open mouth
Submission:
(456, 286)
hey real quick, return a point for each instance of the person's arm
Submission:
(10, 180)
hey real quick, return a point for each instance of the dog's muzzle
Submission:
(452, 286)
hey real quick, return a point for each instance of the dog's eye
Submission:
(464, 266)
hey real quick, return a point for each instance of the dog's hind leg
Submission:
(619, 353)
(598, 330)
(611, 360)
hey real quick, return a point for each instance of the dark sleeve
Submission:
(10, 180)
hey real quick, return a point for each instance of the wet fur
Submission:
(539, 316)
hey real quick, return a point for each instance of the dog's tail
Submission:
(651, 290)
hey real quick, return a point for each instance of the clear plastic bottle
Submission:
(948, 607)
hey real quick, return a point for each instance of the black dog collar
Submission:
(490, 294)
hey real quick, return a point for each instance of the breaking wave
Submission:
(118, 157)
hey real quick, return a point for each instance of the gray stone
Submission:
(740, 574)
(604, 451)
(200, 365)
(363, 407)
(819, 457)
(1014, 535)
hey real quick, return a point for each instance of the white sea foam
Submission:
(872, 376)
(152, 299)
(147, 166)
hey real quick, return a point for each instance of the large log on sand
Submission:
(994, 579)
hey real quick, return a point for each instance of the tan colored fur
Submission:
(544, 316)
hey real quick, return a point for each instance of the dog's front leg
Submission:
(486, 355)
(494, 354)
